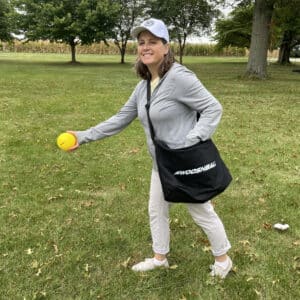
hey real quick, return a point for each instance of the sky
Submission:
(204, 39)
(207, 39)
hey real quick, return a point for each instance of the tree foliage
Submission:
(67, 21)
(286, 29)
(235, 30)
(279, 29)
(184, 18)
(128, 13)
(5, 20)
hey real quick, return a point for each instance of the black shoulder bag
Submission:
(192, 174)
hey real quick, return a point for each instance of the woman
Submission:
(176, 97)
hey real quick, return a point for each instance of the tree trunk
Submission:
(122, 56)
(257, 62)
(180, 53)
(285, 48)
(181, 47)
(123, 51)
(122, 48)
(73, 50)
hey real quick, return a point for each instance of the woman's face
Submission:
(151, 49)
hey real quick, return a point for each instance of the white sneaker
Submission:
(217, 270)
(149, 264)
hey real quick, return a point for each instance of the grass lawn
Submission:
(72, 225)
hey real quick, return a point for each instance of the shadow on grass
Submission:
(78, 64)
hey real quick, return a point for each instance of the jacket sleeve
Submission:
(193, 94)
(111, 126)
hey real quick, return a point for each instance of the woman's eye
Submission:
(151, 42)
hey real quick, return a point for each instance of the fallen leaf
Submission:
(13, 215)
(204, 241)
(34, 264)
(39, 272)
(52, 198)
(126, 262)
(134, 150)
(86, 267)
(40, 295)
(258, 293)
(297, 258)
(29, 251)
(234, 269)
(296, 243)
(173, 267)
(87, 204)
(122, 187)
(245, 243)
(296, 266)
(206, 248)
(69, 221)
(55, 248)
(267, 226)
(183, 225)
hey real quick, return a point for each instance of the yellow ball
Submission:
(65, 141)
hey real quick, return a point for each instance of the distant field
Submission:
(191, 49)
(72, 225)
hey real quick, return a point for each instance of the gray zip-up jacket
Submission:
(175, 101)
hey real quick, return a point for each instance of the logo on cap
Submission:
(149, 23)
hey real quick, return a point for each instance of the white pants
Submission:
(204, 216)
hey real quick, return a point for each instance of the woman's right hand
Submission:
(76, 144)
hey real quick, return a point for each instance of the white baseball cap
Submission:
(155, 26)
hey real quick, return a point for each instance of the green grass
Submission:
(73, 224)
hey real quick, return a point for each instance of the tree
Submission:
(287, 22)
(68, 21)
(128, 13)
(284, 28)
(5, 21)
(184, 18)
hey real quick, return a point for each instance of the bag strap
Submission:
(147, 106)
